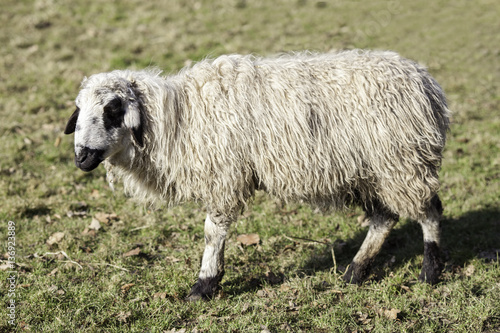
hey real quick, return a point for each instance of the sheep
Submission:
(333, 130)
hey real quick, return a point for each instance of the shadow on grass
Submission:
(474, 234)
(30, 212)
(252, 283)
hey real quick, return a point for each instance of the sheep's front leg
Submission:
(212, 263)
(381, 224)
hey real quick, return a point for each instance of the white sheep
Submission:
(335, 129)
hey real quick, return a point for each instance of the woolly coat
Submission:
(328, 129)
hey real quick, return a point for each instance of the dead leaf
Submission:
(248, 239)
(71, 213)
(245, 307)
(86, 231)
(363, 317)
(53, 272)
(105, 217)
(95, 194)
(172, 259)
(269, 293)
(406, 288)
(293, 306)
(24, 326)
(335, 291)
(95, 225)
(133, 252)
(173, 330)
(123, 316)
(160, 295)
(86, 249)
(391, 314)
(469, 270)
(5, 267)
(127, 286)
(57, 142)
(55, 238)
(261, 293)
(284, 287)
(52, 288)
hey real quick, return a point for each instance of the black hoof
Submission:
(356, 273)
(204, 289)
(195, 297)
(432, 265)
(430, 278)
(430, 272)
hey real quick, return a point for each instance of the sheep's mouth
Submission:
(88, 159)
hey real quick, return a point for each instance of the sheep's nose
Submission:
(88, 159)
(81, 157)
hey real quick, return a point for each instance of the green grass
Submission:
(286, 283)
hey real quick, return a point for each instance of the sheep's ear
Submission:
(134, 116)
(133, 121)
(71, 125)
(137, 135)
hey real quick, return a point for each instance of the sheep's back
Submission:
(320, 128)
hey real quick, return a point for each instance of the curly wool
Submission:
(328, 129)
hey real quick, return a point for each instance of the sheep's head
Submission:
(106, 121)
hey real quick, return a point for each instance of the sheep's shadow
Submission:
(474, 234)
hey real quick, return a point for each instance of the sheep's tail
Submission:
(439, 105)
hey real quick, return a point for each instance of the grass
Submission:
(291, 280)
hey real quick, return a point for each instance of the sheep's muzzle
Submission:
(88, 159)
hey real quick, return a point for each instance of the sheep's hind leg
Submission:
(432, 265)
(212, 263)
(381, 224)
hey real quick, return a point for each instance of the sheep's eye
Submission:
(113, 114)
(114, 106)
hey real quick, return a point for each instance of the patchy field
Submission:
(131, 270)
